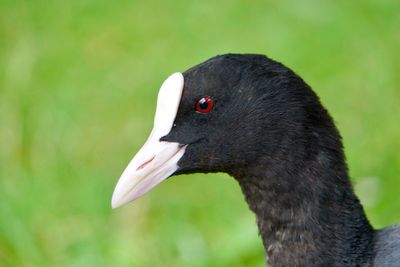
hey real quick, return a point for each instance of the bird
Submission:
(255, 119)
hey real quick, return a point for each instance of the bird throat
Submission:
(309, 216)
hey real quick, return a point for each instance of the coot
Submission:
(255, 119)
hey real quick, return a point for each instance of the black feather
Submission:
(270, 132)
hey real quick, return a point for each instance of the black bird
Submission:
(255, 119)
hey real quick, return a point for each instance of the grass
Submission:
(78, 82)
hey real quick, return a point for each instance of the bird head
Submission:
(223, 115)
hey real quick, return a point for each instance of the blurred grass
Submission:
(78, 81)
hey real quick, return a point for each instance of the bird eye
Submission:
(204, 105)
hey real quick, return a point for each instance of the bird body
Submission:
(255, 119)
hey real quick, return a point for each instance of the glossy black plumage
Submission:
(270, 132)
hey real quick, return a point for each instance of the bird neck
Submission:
(307, 213)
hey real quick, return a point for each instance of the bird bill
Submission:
(156, 160)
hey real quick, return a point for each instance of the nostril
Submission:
(145, 163)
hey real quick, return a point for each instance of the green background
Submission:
(78, 83)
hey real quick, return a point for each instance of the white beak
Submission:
(156, 160)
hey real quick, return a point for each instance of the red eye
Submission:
(204, 105)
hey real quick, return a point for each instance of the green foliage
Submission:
(78, 81)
